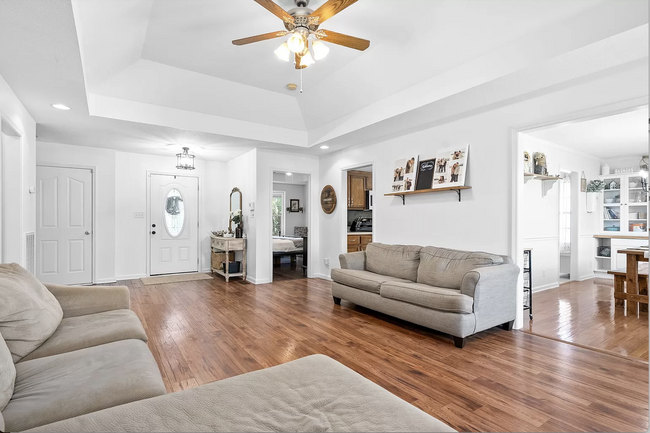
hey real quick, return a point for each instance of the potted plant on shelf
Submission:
(593, 189)
(235, 217)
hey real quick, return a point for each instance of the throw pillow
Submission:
(29, 313)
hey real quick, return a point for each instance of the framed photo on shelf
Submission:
(451, 167)
(404, 174)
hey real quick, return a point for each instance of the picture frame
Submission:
(294, 205)
(328, 199)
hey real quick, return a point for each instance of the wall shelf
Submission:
(541, 176)
(403, 194)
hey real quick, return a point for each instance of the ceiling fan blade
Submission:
(344, 40)
(329, 9)
(276, 10)
(258, 38)
(298, 65)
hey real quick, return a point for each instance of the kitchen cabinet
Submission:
(624, 208)
(358, 242)
(358, 183)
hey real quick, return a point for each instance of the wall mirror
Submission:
(235, 204)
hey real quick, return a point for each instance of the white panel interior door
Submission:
(64, 225)
(174, 224)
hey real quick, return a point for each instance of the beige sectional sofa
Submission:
(75, 359)
(455, 292)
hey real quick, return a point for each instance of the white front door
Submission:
(174, 224)
(64, 225)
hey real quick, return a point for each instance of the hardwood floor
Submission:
(202, 331)
(584, 313)
(288, 271)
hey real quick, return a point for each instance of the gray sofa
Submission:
(455, 292)
(75, 359)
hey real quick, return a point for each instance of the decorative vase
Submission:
(605, 169)
(239, 232)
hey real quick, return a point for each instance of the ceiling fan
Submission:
(302, 24)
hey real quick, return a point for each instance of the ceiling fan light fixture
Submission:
(296, 42)
(320, 50)
(307, 59)
(283, 52)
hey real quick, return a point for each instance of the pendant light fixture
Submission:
(185, 160)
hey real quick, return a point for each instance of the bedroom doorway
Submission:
(290, 225)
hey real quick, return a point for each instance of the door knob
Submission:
(87, 233)
(153, 233)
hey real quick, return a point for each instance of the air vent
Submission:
(29, 252)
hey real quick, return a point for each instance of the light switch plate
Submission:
(138, 215)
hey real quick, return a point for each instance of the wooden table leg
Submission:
(643, 290)
(619, 289)
(632, 283)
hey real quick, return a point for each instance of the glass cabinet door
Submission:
(612, 204)
(637, 206)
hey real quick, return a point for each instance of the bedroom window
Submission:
(278, 209)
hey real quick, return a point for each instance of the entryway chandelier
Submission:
(185, 160)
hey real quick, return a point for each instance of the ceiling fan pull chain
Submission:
(301, 79)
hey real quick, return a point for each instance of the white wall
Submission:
(483, 220)
(132, 234)
(267, 163)
(103, 163)
(540, 213)
(121, 190)
(14, 113)
(293, 219)
(242, 173)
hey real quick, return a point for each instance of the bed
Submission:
(290, 246)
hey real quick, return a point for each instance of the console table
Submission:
(227, 245)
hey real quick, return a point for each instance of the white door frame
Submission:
(3, 221)
(93, 220)
(148, 216)
(517, 182)
(310, 218)
(343, 219)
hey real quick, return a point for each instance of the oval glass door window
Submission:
(174, 213)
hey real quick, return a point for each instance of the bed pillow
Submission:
(29, 313)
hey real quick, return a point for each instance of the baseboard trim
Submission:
(588, 277)
(323, 276)
(105, 281)
(546, 287)
(256, 281)
(131, 277)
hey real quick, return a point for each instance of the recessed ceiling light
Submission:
(289, 174)
(60, 107)
(324, 146)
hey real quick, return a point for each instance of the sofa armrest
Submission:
(356, 261)
(82, 300)
(492, 287)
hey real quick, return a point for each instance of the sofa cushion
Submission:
(310, 394)
(29, 313)
(435, 298)
(7, 376)
(442, 267)
(400, 261)
(362, 280)
(87, 380)
(80, 332)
